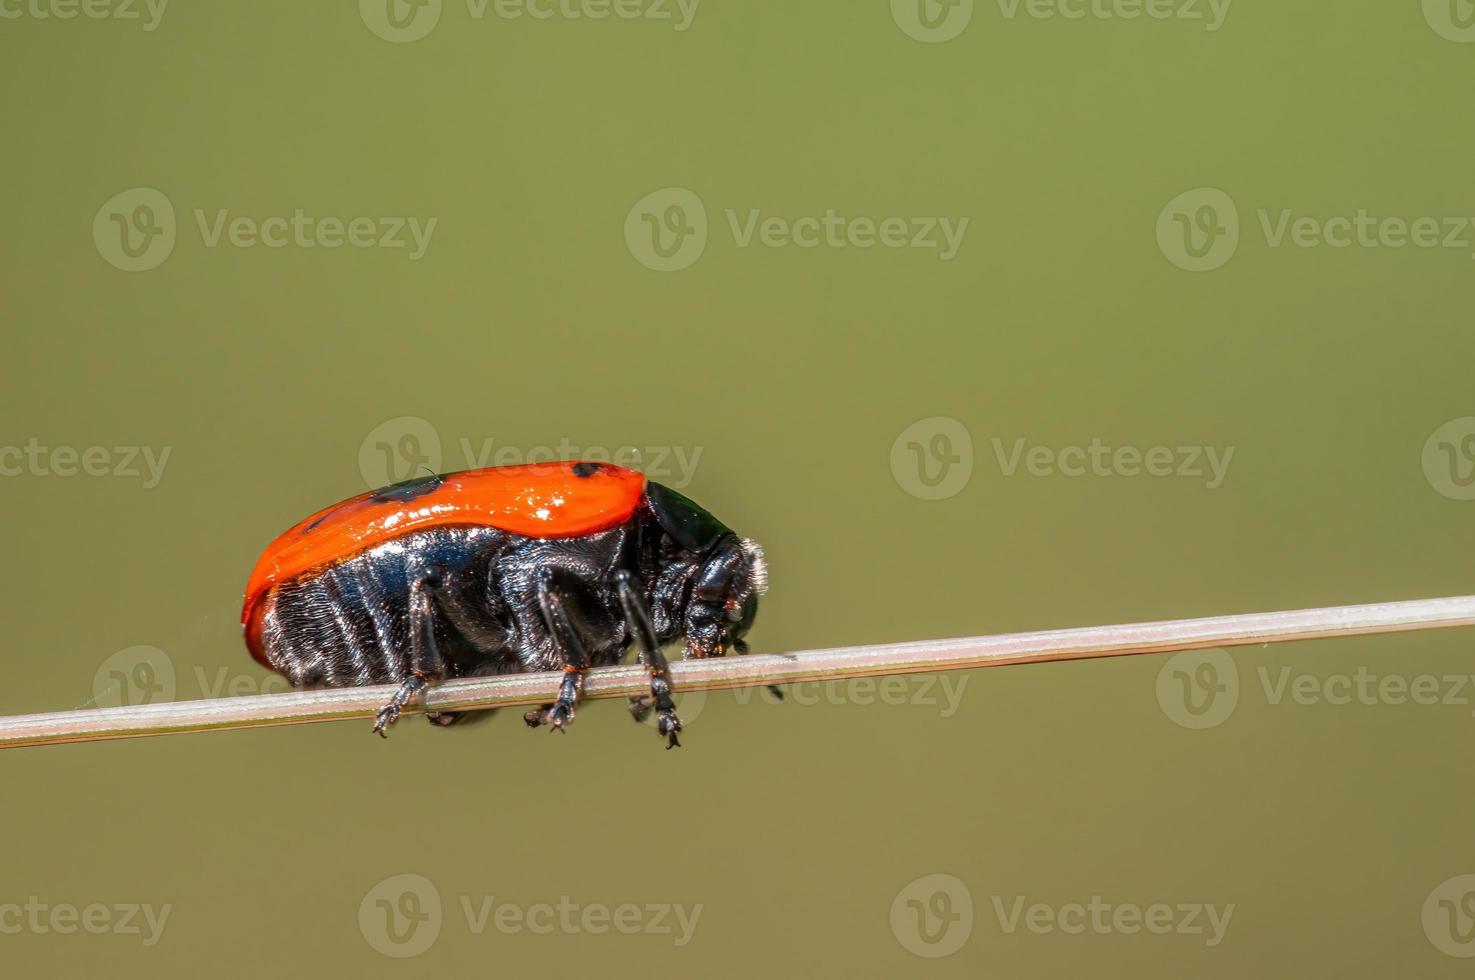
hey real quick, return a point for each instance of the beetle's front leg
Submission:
(638, 623)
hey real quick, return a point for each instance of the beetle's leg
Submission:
(480, 626)
(425, 661)
(638, 622)
(554, 600)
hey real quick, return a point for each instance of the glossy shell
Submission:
(538, 500)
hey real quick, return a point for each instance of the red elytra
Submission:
(538, 500)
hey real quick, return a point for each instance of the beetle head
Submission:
(724, 598)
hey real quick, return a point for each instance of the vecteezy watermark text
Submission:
(568, 917)
(42, 918)
(667, 230)
(403, 21)
(935, 21)
(1199, 230)
(1101, 917)
(834, 230)
(150, 12)
(408, 446)
(136, 230)
(1211, 13)
(403, 916)
(941, 691)
(933, 916)
(1201, 688)
(932, 459)
(127, 462)
(1100, 459)
(303, 230)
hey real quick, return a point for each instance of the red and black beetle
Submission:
(547, 566)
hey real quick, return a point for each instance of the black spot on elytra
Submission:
(314, 525)
(585, 469)
(417, 486)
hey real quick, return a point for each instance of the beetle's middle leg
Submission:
(637, 621)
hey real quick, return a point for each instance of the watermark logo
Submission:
(150, 12)
(932, 459)
(1198, 230)
(932, 21)
(401, 916)
(147, 675)
(400, 21)
(135, 675)
(1198, 688)
(1449, 917)
(935, 21)
(932, 916)
(134, 230)
(1449, 459)
(1201, 688)
(667, 229)
(1453, 20)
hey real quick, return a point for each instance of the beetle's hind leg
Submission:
(481, 636)
(425, 660)
(637, 621)
(564, 604)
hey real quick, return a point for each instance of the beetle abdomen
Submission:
(349, 623)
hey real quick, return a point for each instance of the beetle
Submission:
(556, 566)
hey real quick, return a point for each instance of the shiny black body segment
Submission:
(472, 600)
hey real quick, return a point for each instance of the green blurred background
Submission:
(806, 831)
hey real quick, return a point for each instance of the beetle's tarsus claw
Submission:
(669, 724)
